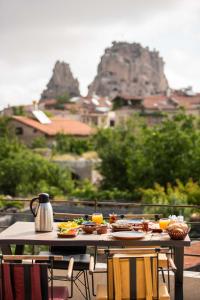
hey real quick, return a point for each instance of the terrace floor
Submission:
(191, 285)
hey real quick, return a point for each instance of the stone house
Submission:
(27, 129)
(154, 107)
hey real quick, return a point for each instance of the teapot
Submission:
(43, 213)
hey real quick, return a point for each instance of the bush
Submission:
(23, 172)
(86, 190)
(179, 194)
(134, 155)
(39, 142)
(4, 203)
(68, 144)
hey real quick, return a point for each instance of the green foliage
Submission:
(39, 142)
(118, 103)
(173, 150)
(134, 155)
(86, 190)
(4, 203)
(18, 110)
(4, 126)
(123, 163)
(178, 194)
(48, 113)
(69, 144)
(23, 172)
(62, 99)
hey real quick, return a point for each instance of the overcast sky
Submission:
(34, 34)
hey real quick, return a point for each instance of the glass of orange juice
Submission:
(163, 223)
(97, 218)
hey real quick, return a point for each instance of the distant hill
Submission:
(61, 83)
(128, 69)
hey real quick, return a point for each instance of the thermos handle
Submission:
(31, 206)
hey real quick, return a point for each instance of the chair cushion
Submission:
(81, 261)
(59, 293)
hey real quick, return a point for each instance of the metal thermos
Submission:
(43, 213)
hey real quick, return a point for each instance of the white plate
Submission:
(130, 221)
(127, 235)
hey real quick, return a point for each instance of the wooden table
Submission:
(23, 233)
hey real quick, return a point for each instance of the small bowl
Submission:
(102, 229)
(89, 229)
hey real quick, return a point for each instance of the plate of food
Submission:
(68, 233)
(121, 227)
(68, 225)
(127, 235)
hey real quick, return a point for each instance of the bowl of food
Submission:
(102, 229)
(89, 227)
(178, 231)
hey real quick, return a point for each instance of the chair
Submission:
(81, 259)
(22, 278)
(165, 261)
(133, 277)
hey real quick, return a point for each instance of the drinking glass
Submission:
(163, 223)
(97, 218)
(112, 218)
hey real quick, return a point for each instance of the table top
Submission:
(22, 233)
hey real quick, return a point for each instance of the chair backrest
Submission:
(25, 281)
(68, 216)
(140, 216)
(133, 277)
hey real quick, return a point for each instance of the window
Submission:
(112, 123)
(19, 130)
(34, 130)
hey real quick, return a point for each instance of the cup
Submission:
(163, 223)
(97, 218)
(145, 226)
(112, 218)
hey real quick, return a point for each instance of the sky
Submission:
(35, 34)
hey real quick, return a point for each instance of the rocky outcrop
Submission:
(129, 70)
(62, 82)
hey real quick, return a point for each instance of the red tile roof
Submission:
(69, 127)
(163, 102)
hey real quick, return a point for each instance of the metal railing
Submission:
(95, 204)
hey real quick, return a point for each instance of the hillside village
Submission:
(130, 79)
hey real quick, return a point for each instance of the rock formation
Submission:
(129, 70)
(61, 82)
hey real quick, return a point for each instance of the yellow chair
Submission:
(133, 277)
(165, 261)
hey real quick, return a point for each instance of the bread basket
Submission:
(178, 235)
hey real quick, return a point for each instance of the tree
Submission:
(18, 110)
(121, 154)
(23, 172)
(134, 155)
(69, 144)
